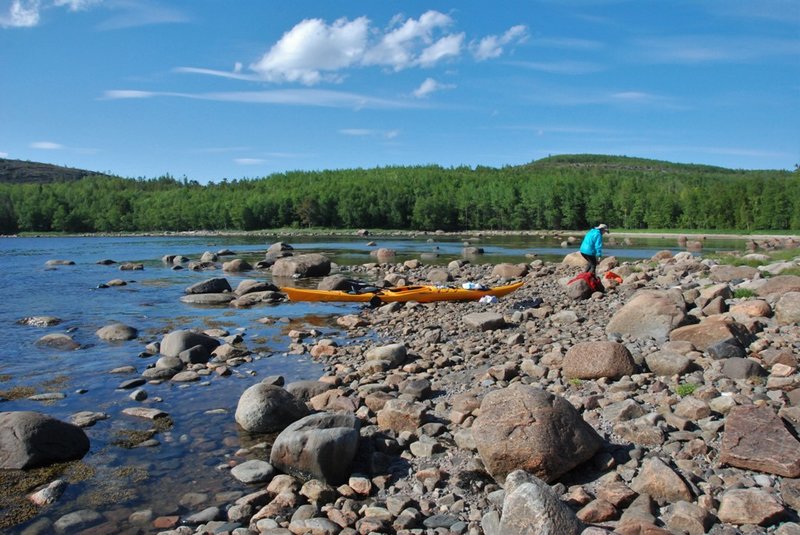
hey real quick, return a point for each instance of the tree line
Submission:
(566, 192)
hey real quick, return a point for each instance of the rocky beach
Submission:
(668, 403)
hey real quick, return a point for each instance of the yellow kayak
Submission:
(420, 294)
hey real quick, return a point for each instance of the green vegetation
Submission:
(564, 192)
(685, 389)
(744, 293)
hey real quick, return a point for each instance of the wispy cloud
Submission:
(709, 48)
(366, 132)
(560, 67)
(249, 161)
(123, 13)
(3, 155)
(46, 145)
(430, 86)
(315, 51)
(295, 97)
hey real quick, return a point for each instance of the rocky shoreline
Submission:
(668, 403)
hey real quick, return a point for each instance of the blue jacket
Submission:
(593, 243)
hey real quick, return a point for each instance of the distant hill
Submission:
(24, 172)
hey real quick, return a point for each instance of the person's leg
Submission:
(591, 267)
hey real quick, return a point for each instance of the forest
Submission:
(561, 192)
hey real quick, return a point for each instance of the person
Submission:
(592, 247)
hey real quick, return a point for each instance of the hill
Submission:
(25, 172)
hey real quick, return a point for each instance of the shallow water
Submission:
(191, 453)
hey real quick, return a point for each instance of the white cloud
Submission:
(21, 14)
(314, 51)
(119, 94)
(249, 161)
(491, 46)
(46, 145)
(398, 48)
(3, 155)
(313, 47)
(430, 86)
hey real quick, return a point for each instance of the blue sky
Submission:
(209, 89)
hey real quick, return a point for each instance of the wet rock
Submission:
(208, 299)
(173, 343)
(321, 446)
(77, 521)
(40, 321)
(210, 286)
(29, 439)
(49, 494)
(264, 408)
(237, 265)
(250, 286)
(253, 471)
(60, 341)
(117, 332)
(57, 262)
(307, 265)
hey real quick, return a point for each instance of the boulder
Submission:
(400, 415)
(742, 368)
(61, 341)
(787, 309)
(710, 332)
(216, 285)
(320, 446)
(40, 321)
(485, 321)
(117, 332)
(650, 314)
(439, 276)
(749, 506)
(756, 438)
(780, 284)
(574, 260)
(532, 507)
(657, 479)
(305, 390)
(30, 439)
(726, 273)
(510, 271)
(394, 354)
(668, 363)
(752, 308)
(250, 286)
(336, 282)
(593, 360)
(237, 265)
(279, 247)
(307, 265)
(523, 427)
(265, 408)
(253, 471)
(177, 341)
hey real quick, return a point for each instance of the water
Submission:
(117, 480)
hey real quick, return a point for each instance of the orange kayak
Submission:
(420, 294)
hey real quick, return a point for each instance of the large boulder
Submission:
(510, 271)
(236, 265)
(779, 284)
(650, 314)
(249, 286)
(757, 439)
(216, 285)
(593, 360)
(787, 309)
(30, 439)
(319, 446)
(532, 507)
(575, 259)
(306, 265)
(266, 408)
(527, 428)
(177, 341)
(726, 273)
(117, 332)
(711, 332)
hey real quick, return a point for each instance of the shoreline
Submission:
(410, 233)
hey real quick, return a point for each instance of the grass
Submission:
(744, 293)
(780, 255)
(685, 389)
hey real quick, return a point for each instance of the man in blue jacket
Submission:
(592, 246)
